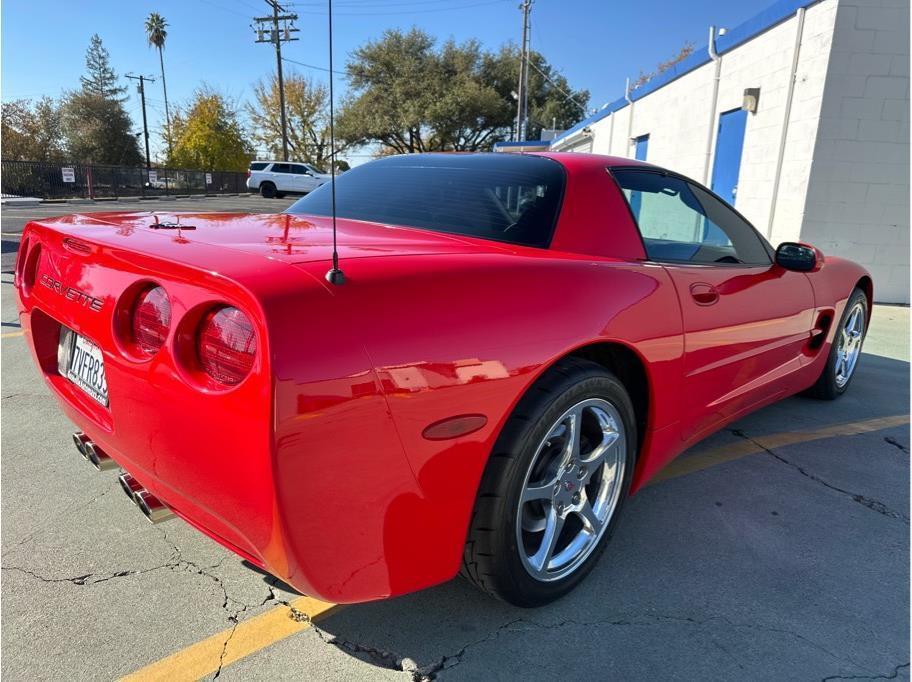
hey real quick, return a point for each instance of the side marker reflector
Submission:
(454, 427)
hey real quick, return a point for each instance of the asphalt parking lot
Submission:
(776, 549)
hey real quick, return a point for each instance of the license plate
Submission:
(81, 362)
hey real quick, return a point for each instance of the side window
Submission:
(681, 222)
(281, 168)
(722, 225)
(299, 170)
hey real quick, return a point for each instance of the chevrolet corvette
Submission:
(519, 342)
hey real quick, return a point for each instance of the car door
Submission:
(302, 179)
(281, 175)
(746, 320)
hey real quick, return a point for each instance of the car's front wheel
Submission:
(845, 352)
(554, 486)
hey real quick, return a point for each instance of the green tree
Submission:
(95, 124)
(409, 96)
(307, 112)
(208, 135)
(552, 100)
(32, 131)
(100, 78)
(156, 33)
(99, 130)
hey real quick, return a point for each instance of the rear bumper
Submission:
(330, 510)
(194, 471)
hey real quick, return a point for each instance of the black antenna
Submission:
(335, 274)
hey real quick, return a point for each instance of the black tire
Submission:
(827, 387)
(267, 190)
(491, 558)
(280, 195)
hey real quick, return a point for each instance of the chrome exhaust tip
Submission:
(80, 440)
(97, 457)
(153, 508)
(129, 485)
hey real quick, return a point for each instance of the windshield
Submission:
(505, 197)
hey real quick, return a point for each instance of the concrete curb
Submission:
(20, 203)
(32, 202)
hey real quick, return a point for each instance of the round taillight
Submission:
(226, 345)
(151, 320)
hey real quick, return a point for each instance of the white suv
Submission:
(278, 178)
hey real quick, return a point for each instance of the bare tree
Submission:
(644, 77)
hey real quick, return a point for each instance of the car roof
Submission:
(580, 159)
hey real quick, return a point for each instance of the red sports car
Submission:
(519, 343)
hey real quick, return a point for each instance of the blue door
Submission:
(642, 144)
(729, 144)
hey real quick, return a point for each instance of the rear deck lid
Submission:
(283, 237)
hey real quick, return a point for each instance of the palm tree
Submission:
(156, 33)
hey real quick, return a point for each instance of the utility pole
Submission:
(277, 37)
(522, 106)
(142, 96)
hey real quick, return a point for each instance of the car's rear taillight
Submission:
(226, 345)
(151, 320)
(248, 172)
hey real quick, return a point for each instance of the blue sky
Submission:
(595, 43)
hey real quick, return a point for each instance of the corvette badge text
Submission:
(72, 294)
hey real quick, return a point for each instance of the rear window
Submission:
(504, 197)
(258, 166)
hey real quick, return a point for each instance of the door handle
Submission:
(704, 294)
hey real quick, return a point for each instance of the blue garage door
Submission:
(729, 144)
(642, 145)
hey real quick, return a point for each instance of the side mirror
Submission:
(798, 257)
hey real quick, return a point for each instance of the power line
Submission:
(363, 4)
(369, 3)
(313, 66)
(221, 6)
(559, 88)
(415, 11)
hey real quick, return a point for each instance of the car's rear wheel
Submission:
(846, 349)
(554, 486)
(267, 190)
(280, 195)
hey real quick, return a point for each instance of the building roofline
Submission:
(521, 143)
(772, 16)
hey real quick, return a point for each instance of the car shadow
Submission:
(750, 569)
(270, 579)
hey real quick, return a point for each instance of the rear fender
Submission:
(449, 336)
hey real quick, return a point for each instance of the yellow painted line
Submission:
(734, 451)
(205, 657)
(7, 335)
(259, 632)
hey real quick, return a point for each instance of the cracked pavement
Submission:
(791, 563)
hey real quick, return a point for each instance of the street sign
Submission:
(68, 173)
(208, 178)
(153, 176)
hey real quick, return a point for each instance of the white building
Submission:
(800, 117)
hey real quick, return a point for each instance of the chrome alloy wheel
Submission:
(848, 344)
(571, 489)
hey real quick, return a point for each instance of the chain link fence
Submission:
(72, 180)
